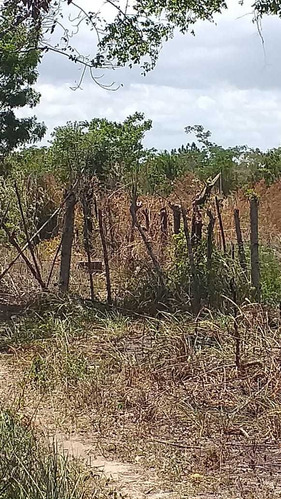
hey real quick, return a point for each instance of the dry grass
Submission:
(165, 395)
(128, 255)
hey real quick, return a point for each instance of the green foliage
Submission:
(134, 33)
(109, 150)
(270, 267)
(18, 61)
(30, 469)
(218, 280)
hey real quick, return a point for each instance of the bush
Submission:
(218, 281)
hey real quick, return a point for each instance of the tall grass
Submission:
(30, 469)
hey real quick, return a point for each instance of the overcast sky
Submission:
(223, 78)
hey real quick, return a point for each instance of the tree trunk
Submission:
(255, 265)
(67, 239)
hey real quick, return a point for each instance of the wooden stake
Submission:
(164, 225)
(67, 240)
(87, 199)
(195, 301)
(241, 251)
(210, 238)
(221, 224)
(255, 265)
(196, 226)
(177, 217)
(105, 257)
(157, 267)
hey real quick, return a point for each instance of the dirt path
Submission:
(129, 480)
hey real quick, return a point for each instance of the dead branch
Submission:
(30, 246)
(7, 269)
(135, 222)
(15, 244)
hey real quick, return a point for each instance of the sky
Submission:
(224, 78)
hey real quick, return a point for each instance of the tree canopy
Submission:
(18, 61)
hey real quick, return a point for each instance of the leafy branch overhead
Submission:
(125, 32)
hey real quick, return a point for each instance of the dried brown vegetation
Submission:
(193, 405)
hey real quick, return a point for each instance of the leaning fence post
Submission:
(255, 265)
(241, 251)
(221, 225)
(67, 239)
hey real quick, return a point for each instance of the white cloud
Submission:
(223, 79)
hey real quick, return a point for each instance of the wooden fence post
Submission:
(105, 258)
(255, 265)
(210, 232)
(177, 217)
(196, 299)
(67, 239)
(196, 226)
(87, 202)
(241, 251)
(145, 239)
(221, 224)
(164, 225)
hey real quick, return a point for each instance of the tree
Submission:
(18, 61)
(136, 30)
(111, 151)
